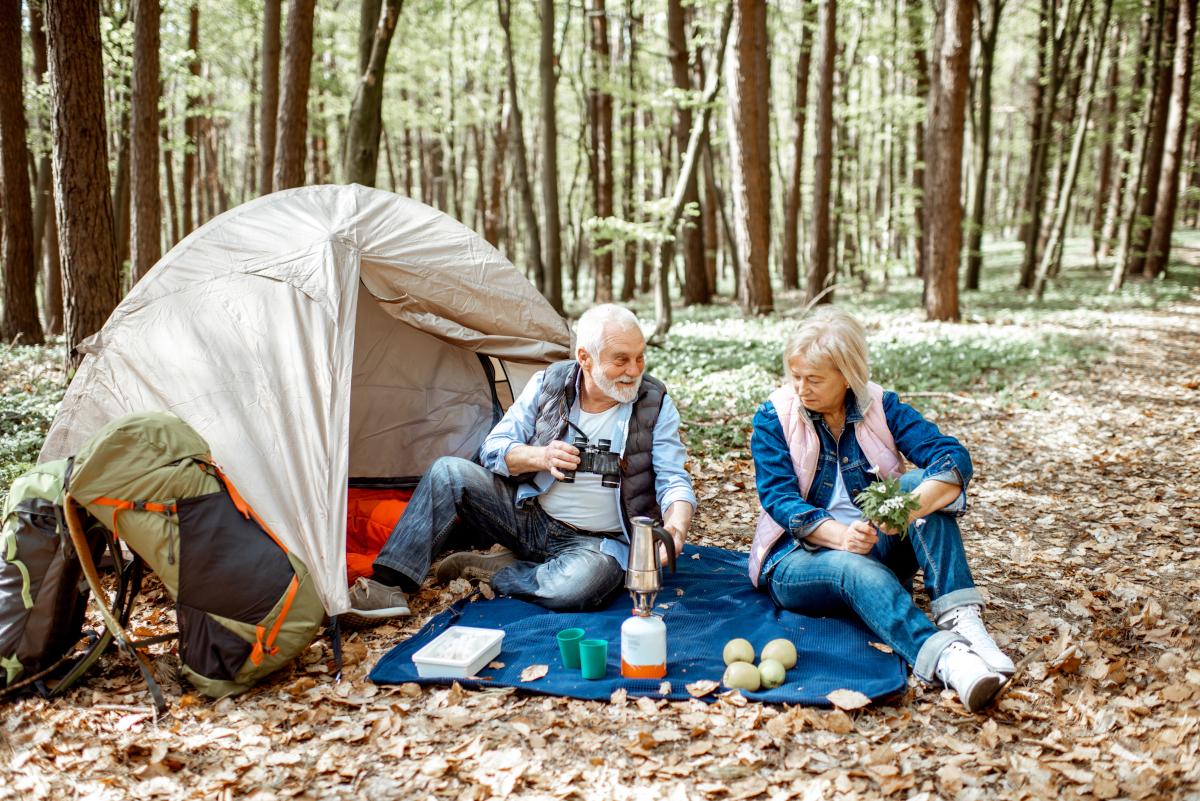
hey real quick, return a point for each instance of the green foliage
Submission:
(29, 398)
(886, 503)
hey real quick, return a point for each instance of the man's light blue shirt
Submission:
(671, 480)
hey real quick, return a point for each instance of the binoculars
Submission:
(596, 459)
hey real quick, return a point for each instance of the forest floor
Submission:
(1084, 536)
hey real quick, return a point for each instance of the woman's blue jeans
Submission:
(559, 567)
(877, 586)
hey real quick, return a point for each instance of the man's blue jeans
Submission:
(559, 567)
(876, 586)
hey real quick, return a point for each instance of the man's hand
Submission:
(676, 521)
(559, 456)
(555, 457)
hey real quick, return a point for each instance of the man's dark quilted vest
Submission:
(637, 472)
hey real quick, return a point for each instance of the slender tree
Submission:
(1152, 173)
(20, 318)
(365, 121)
(1116, 200)
(552, 260)
(191, 126)
(750, 150)
(37, 41)
(270, 94)
(1104, 160)
(818, 258)
(916, 28)
(602, 145)
(293, 102)
(1052, 253)
(1168, 189)
(943, 173)
(533, 246)
(84, 208)
(791, 209)
(629, 112)
(989, 28)
(695, 279)
(146, 206)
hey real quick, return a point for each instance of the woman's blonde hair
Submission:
(831, 337)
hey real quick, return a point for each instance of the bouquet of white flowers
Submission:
(886, 503)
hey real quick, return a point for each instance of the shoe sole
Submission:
(355, 619)
(453, 565)
(982, 692)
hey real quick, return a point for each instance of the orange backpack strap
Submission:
(256, 655)
(245, 508)
(137, 506)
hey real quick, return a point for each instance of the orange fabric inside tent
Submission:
(370, 517)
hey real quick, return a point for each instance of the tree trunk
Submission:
(943, 173)
(533, 237)
(191, 145)
(52, 283)
(37, 41)
(146, 217)
(552, 290)
(602, 104)
(87, 245)
(629, 110)
(20, 318)
(1129, 211)
(1116, 200)
(1168, 187)
(988, 29)
(818, 256)
(791, 210)
(1194, 175)
(293, 102)
(494, 217)
(1062, 46)
(1037, 109)
(1140, 239)
(916, 27)
(270, 95)
(695, 281)
(365, 120)
(750, 151)
(168, 159)
(121, 194)
(1053, 250)
(1105, 160)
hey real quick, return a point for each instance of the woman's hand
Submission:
(859, 537)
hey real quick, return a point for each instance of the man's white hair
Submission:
(589, 334)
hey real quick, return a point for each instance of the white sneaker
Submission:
(966, 620)
(961, 668)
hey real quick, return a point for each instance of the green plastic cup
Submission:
(568, 647)
(593, 658)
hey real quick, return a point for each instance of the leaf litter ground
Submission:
(1083, 535)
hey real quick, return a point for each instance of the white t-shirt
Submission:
(587, 504)
(841, 507)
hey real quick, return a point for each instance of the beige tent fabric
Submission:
(262, 330)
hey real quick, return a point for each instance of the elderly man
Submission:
(567, 542)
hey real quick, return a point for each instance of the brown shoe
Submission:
(469, 564)
(373, 604)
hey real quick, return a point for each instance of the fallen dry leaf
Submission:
(848, 699)
(699, 689)
(534, 672)
(878, 646)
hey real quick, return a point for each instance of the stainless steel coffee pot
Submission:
(642, 577)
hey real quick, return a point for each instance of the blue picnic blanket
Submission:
(708, 602)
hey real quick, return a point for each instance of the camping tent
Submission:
(316, 337)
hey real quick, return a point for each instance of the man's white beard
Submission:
(622, 390)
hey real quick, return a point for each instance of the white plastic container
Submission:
(644, 647)
(458, 665)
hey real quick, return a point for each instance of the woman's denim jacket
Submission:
(941, 456)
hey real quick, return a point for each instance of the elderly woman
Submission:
(816, 443)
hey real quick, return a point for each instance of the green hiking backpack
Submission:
(244, 603)
(42, 597)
